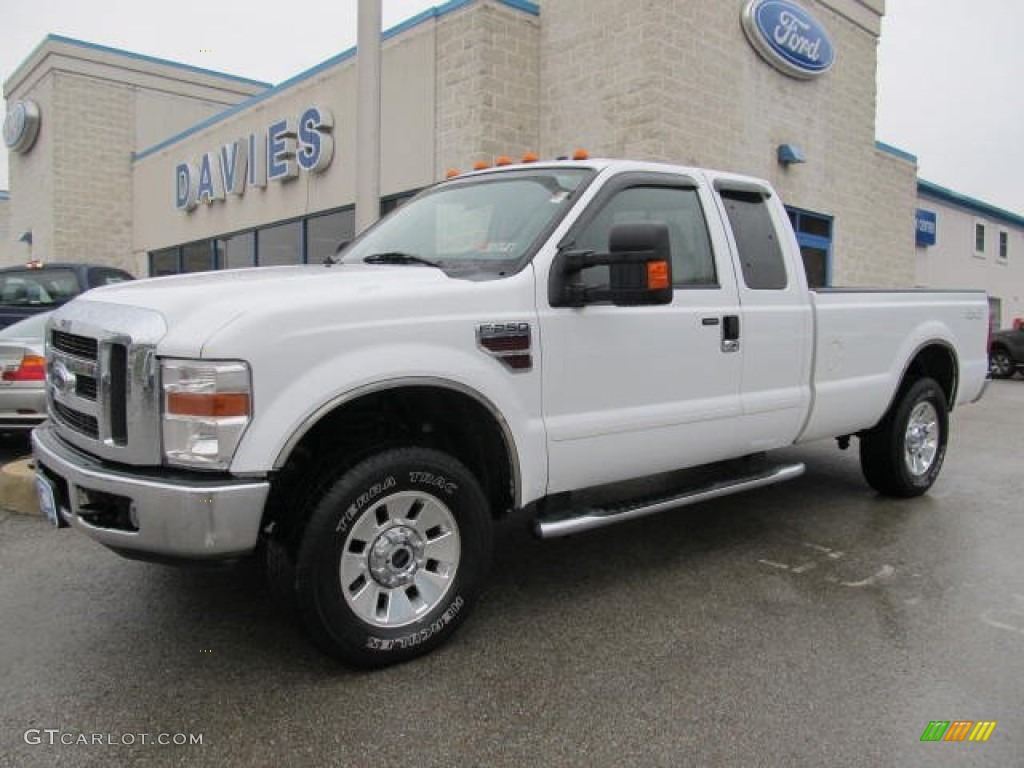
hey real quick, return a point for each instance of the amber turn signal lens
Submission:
(213, 405)
(657, 275)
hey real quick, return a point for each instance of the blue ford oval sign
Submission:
(788, 37)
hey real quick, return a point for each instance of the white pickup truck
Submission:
(523, 338)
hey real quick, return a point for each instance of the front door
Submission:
(633, 391)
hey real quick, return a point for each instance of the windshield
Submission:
(37, 287)
(487, 223)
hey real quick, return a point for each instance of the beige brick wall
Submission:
(677, 81)
(6, 238)
(92, 181)
(488, 70)
(31, 204)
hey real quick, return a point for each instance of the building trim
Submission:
(431, 13)
(53, 38)
(944, 195)
(889, 149)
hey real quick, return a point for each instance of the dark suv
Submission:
(35, 287)
(1006, 352)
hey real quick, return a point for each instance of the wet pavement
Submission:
(813, 623)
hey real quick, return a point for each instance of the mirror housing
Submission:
(639, 264)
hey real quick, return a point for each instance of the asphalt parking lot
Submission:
(813, 624)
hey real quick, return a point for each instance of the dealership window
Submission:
(303, 241)
(325, 234)
(236, 251)
(979, 239)
(756, 240)
(814, 236)
(197, 257)
(164, 262)
(390, 203)
(1004, 245)
(279, 245)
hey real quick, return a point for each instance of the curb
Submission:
(18, 487)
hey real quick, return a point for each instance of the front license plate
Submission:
(47, 503)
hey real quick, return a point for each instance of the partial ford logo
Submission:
(788, 37)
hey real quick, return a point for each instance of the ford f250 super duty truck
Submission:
(524, 338)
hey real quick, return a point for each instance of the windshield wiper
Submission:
(397, 257)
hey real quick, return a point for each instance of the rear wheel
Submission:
(393, 557)
(1000, 364)
(903, 454)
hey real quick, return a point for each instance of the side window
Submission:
(756, 239)
(693, 262)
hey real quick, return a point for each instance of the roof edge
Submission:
(21, 71)
(889, 149)
(946, 195)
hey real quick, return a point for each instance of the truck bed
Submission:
(865, 338)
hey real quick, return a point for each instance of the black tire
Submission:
(393, 558)
(903, 454)
(1000, 364)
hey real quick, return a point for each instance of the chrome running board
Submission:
(589, 519)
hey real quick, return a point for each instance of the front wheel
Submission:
(393, 557)
(1000, 364)
(903, 454)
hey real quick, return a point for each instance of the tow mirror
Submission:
(639, 265)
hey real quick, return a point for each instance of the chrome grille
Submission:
(81, 422)
(79, 346)
(102, 380)
(85, 387)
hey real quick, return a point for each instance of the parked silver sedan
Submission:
(23, 374)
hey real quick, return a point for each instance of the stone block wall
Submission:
(488, 70)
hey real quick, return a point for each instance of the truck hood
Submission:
(195, 307)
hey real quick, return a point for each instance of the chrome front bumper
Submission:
(184, 517)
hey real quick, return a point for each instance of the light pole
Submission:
(368, 114)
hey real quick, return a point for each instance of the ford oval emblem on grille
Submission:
(63, 379)
(788, 37)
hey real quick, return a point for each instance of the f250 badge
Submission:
(509, 343)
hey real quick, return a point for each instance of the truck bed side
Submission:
(865, 340)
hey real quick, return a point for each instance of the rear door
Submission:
(776, 322)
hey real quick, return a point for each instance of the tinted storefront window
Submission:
(236, 251)
(164, 262)
(280, 245)
(325, 233)
(196, 257)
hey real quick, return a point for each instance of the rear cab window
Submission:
(757, 240)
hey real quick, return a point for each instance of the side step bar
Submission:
(589, 519)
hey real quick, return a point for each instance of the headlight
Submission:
(206, 408)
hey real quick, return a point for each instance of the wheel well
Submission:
(998, 346)
(938, 362)
(427, 416)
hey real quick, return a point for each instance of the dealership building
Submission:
(158, 167)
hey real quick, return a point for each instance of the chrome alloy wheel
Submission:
(400, 559)
(921, 442)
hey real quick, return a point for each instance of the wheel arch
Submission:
(936, 360)
(425, 411)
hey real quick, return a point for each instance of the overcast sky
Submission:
(949, 70)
